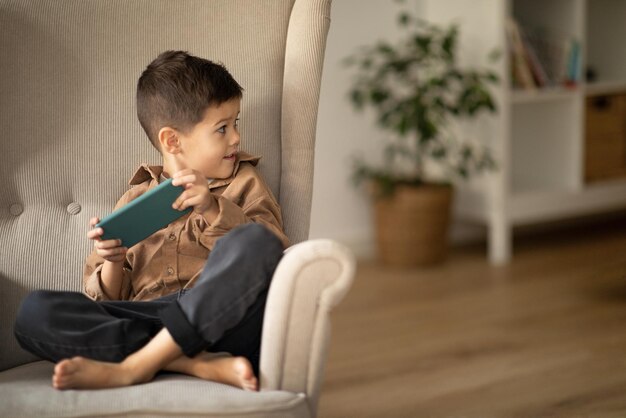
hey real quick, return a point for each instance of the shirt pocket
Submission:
(192, 250)
(151, 291)
(189, 244)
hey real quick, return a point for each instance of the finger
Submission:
(95, 233)
(181, 199)
(108, 252)
(93, 221)
(116, 258)
(185, 201)
(179, 204)
(117, 252)
(192, 196)
(110, 243)
(195, 202)
(186, 178)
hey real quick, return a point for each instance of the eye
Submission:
(236, 122)
(222, 129)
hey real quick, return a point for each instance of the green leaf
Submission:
(378, 96)
(402, 126)
(423, 43)
(492, 77)
(357, 98)
(404, 19)
(438, 82)
(454, 74)
(439, 153)
(399, 66)
(489, 103)
(432, 91)
(449, 42)
(440, 103)
(366, 64)
(384, 48)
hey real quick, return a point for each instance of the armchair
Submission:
(71, 140)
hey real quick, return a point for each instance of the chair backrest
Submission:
(70, 136)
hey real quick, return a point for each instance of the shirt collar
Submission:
(154, 172)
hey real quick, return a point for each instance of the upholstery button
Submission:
(73, 208)
(16, 209)
(170, 271)
(172, 237)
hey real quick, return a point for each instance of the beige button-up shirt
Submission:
(172, 258)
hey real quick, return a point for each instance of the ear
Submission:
(169, 140)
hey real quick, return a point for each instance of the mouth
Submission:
(231, 157)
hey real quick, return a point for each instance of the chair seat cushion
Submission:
(26, 391)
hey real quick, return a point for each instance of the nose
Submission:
(235, 138)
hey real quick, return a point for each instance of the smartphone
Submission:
(144, 215)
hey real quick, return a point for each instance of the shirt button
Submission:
(170, 271)
(172, 237)
(73, 208)
(16, 209)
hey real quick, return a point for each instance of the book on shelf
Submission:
(573, 63)
(540, 59)
(536, 66)
(521, 72)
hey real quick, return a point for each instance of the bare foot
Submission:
(82, 373)
(234, 371)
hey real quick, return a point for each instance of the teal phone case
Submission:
(143, 216)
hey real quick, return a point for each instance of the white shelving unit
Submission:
(538, 136)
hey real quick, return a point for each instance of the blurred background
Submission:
(523, 315)
(340, 211)
(558, 138)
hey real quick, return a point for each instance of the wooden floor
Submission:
(542, 337)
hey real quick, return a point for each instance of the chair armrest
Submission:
(310, 280)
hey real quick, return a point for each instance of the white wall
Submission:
(340, 211)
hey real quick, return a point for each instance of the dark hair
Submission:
(176, 89)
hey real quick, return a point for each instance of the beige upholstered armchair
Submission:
(70, 141)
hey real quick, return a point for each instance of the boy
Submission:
(160, 304)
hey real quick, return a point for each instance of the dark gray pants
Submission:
(222, 312)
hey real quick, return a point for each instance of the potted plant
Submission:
(419, 94)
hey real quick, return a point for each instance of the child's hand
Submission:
(111, 250)
(196, 194)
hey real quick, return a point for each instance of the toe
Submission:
(59, 383)
(60, 367)
(250, 386)
(67, 366)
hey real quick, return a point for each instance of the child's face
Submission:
(212, 145)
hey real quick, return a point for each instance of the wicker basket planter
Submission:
(412, 225)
